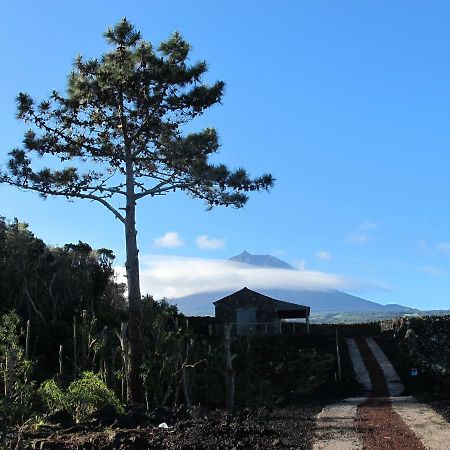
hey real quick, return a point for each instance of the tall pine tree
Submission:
(117, 133)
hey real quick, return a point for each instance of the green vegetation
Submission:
(119, 133)
(83, 396)
(77, 343)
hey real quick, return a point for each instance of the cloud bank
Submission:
(173, 277)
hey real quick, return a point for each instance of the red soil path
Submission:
(380, 426)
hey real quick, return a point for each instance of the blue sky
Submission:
(347, 103)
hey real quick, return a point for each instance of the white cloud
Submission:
(300, 264)
(363, 234)
(206, 243)
(171, 239)
(173, 277)
(322, 255)
(444, 247)
(432, 270)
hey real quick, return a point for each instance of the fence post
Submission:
(184, 374)
(124, 345)
(11, 359)
(230, 374)
(338, 356)
(84, 341)
(27, 342)
(60, 357)
(75, 351)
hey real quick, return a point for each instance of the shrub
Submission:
(54, 397)
(83, 396)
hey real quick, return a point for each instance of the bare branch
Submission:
(68, 195)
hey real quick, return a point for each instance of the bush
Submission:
(83, 396)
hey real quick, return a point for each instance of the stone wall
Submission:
(426, 340)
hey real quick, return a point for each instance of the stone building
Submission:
(253, 313)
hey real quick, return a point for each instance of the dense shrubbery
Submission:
(78, 325)
(83, 396)
(18, 402)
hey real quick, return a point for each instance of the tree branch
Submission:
(67, 195)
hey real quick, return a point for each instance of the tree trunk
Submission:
(135, 392)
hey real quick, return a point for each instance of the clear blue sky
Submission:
(347, 103)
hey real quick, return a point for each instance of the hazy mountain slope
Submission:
(320, 301)
(261, 260)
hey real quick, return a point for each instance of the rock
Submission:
(61, 417)
(139, 416)
(160, 415)
(104, 416)
(123, 421)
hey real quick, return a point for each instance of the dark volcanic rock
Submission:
(61, 417)
(104, 416)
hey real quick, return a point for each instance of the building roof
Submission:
(280, 305)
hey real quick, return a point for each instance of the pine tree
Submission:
(117, 133)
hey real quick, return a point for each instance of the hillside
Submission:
(322, 303)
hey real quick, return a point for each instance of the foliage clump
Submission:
(18, 404)
(82, 398)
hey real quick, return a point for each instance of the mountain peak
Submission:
(261, 260)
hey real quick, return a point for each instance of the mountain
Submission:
(322, 303)
(261, 260)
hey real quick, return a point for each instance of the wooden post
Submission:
(11, 359)
(75, 352)
(124, 345)
(265, 328)
(210, 330)
(293, 327)
(27, 342)
(307, 325)
(84, 341)
(184, 377)
(338, 356)
(279, 325)
(229, 371)
(60, 359)
(112, 368)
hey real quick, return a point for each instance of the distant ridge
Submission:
(321, 302)
(261, 260)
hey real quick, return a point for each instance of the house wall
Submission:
(226, 311)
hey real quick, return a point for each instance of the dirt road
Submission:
(382, 419)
